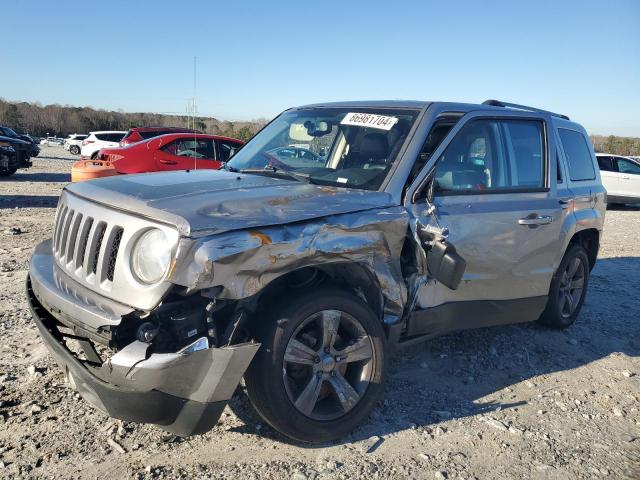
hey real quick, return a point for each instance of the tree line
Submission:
(57, 120)
(626, 146)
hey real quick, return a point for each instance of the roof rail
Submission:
(498, 103)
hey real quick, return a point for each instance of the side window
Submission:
(606, 164)
(226, 150)
(493, 156)
(576, 150)
(627, 166)
(190, 148)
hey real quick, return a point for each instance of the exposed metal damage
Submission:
(244, 262)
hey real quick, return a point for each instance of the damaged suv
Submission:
(159, 292)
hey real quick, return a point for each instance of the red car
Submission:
(176, 151)
(138, 134)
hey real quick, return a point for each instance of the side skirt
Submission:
(456, 316)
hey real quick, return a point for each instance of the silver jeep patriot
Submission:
(338, 233)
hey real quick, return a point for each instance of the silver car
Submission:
(417, 219)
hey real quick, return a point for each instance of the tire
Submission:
(74, 150)
(558, 313)
(8, 173)
(94, 155)
(275, 387)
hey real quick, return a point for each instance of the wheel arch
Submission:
(589, 239)
(349, 276)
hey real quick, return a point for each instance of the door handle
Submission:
(564, 203)
(626, 177)
(536, 220)
(168, 162)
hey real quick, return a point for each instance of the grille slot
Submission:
(65, 233)
(82, 245)
(95, 250)
(73, 237)
(116, 236)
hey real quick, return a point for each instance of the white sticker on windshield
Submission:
(369, 120)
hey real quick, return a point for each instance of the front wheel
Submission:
(319, 371)
(74, 150)
(568, 289)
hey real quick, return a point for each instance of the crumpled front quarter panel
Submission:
(244, 262)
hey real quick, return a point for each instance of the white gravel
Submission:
(509, 402)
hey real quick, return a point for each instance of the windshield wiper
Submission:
(276, 173)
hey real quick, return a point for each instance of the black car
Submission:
(8, 132)
(19, 158)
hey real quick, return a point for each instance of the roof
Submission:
(494, 105)
(413, 104)
(151, 129)
(107, 131)
(194, 135)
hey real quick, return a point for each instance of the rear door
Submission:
(629, 177)
(609, 174)
(583, 179)
(494, 192)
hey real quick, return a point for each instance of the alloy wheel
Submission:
(328, 364)
(571, 287)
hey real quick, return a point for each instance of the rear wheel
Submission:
(74, 149)
(568, 289)
(319, 371)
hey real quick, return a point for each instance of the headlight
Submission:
(151, 256)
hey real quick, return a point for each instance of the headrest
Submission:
(374, 145)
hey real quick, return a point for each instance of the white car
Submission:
(97, 140)
(621, 177)
(73, 143)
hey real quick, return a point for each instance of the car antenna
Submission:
(193, 111)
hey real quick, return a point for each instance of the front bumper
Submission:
(184, 393)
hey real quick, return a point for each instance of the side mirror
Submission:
(445, 265)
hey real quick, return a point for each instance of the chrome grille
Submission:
(92, 244)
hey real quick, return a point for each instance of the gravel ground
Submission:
(516, 402)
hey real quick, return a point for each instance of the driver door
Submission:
(187, 154)
(492, 193)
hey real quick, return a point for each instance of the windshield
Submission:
(347, 147)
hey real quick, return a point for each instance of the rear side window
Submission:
(578, 155)
(606, 164)
(151, 134)
(490, 156)
(110, 137)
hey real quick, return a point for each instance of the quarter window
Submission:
(576, 150)
(493, 156)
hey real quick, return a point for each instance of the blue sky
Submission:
(255, 59)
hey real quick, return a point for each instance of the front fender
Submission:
(244, 262)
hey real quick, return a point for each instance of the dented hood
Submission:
(209, 201)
